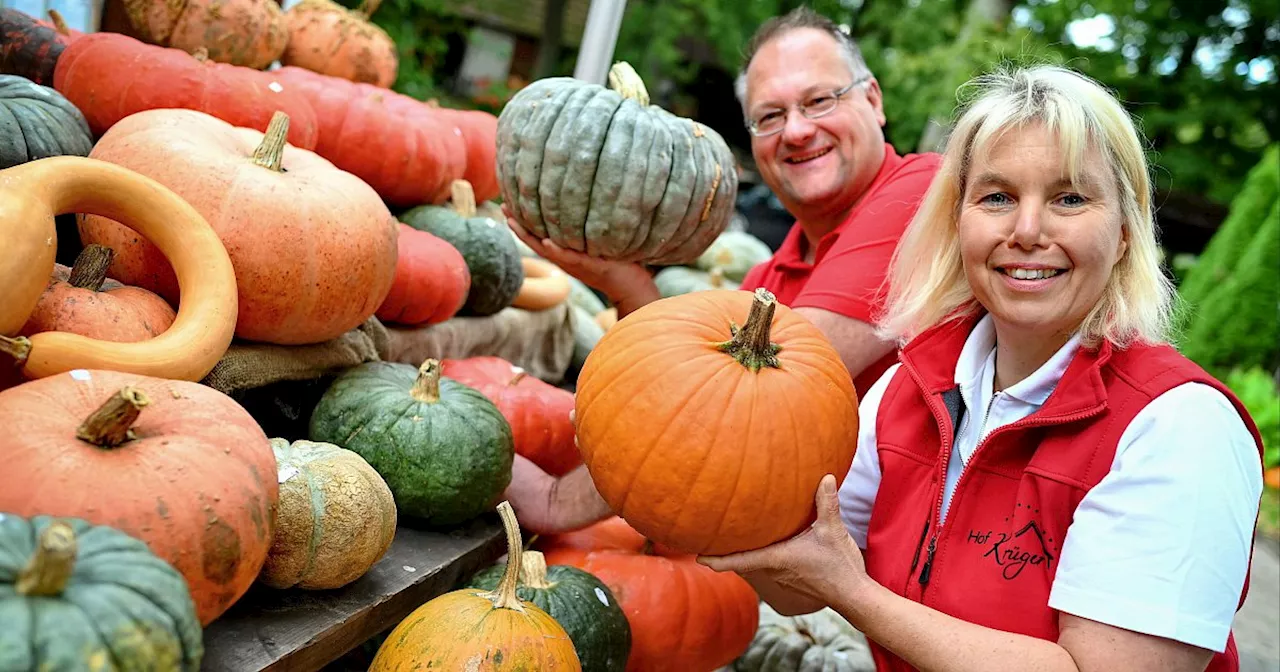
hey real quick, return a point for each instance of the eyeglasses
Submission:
(819, 105)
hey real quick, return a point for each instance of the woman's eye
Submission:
(1073, 200)
(998, 198)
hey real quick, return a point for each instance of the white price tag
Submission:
(604, 599)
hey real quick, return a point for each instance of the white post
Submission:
(595, 54)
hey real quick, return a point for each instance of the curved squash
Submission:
(545, 285)
(32, 193)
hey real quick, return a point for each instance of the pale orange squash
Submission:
(330, 39)
(252, 33)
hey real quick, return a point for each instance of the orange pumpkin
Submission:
(709, 437)
(683, 615)
(330, 39)
(313, 247)
(176, 464)
(77, 303)
(252, 33)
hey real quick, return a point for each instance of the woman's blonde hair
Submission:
(927, 283)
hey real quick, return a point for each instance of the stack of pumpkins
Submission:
(722, 266)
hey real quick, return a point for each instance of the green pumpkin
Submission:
(486, 245)
(601, 171)
(819, 642)
(580, 603)
(75, 596)
(443, 448)
(735, 252)
(37, 122)
(586, 333)
(677, 280)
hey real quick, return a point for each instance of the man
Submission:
(816, 118)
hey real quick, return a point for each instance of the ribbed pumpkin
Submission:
(537, 411)
(443, 448)
(580, 603)
(735, 252)
(37, 122)
(252, 33)
(81, 303)
(313, 247)
(677, 280)
(78, 597)
(480, 630)
(336, 517)
(330, 39)
(819, 642)
(683, 615)
(176, 464)
(431, 282)
(603, 172)
(708, 436)
(496, 270)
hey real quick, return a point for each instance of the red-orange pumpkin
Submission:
(537, 411)
(683, 615)
(252, 33)
(313, 247)
(176, 464)
(431, 283)
(328, 38)
(710, 437)
(480, 132)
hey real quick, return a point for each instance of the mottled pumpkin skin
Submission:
(735, 253)
(819, 642)
(677, 280)
(336, 517)
(252, 33)
(38, 122)
(445, 462)
(597, 173)
(115, 312)
(330, 39)
(123, 607)
(488, 248)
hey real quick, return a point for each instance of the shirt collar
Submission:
(976, 367)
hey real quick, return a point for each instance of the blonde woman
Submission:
(1042, 483)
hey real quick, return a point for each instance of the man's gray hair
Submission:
(801, 17)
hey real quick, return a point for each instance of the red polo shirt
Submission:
(851, 262)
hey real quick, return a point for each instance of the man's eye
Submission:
(768, 118)
(820, 101)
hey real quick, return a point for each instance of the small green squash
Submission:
(37, 122)
(486, 244)
(586, 333)
(819, 642)
(735, 252)
(677, 280)
(580, 602)
(443, 448)
(75, 596)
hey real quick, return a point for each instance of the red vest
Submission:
(993, 561)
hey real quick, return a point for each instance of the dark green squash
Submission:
(443, 448)
(75, 596)
(582, 605)
(486, 244)
(37, 122)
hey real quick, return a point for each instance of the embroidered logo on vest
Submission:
(1012, 553)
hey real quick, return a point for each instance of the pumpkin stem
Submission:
(368, 7)
(518, 376)
(463, 197)
(17, 347)
(750, 344)
(717, 277)
(647, 549)
(112, 424)
(625, 80)
(270, 153)
(59, 23)
(504, 596)
(90, 268)
(50, 566)
(533, 570)
(427, 386)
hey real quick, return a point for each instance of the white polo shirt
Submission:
(1161, 544)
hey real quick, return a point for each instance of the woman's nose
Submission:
(1028, 225)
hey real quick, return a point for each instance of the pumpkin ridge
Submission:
(316, 494)
(578, 225)
(529, 161)
(602, 204)
(555, 160)
(657, 174)
(656, 354)
(691, 224)
(675, 197)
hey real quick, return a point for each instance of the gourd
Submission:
(480, 630)
(586, 334)
(176, 464)
(762, 412)
(580, 603)
(431, 281)
(251, 33)
(736, 252)
(497, 272)
(36, 122)
(443, 448)
(29, 48)
(336, 517)
(74, 596)
(330, 39)
(603, 172)
(313, 247)
(819, 642)
(79, 304)
(545, 285)
(32, 193)
(537, 412)
(677, 280)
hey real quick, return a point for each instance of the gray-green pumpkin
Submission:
(677, 280)
(601, 171)
(819, 642)
(735, 252)
(37, 122)
(586, 334)
(486, 245)
(582, 604)
(443, 448)
(76, 596)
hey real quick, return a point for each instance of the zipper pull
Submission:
(928, 561)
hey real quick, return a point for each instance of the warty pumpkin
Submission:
(602, 171)
(431, 281)
(480, 630)
(313, 247)
(32, 193)
(75, 596)
(176, 464)
(36, 122)
(336, 517)
(252, 33)
(330, 39)
(708, 436)
(683, 615)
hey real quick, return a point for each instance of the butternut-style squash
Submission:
(545, 285)
(32, 193)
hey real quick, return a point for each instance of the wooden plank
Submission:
(305, 630)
